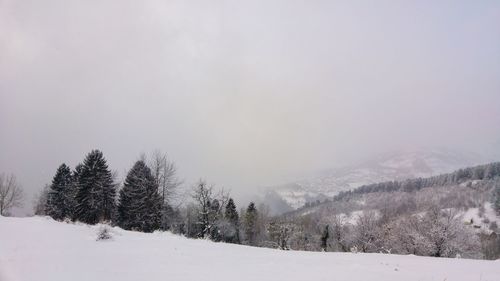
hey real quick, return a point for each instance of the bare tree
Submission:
(165, 173)
(339, 233)
(202, 195)
(366, 232)
(280, 233)
(11, 193)
(209, 206)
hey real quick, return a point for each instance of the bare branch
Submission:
(165, 174)
(11, 193)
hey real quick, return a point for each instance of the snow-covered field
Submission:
(40, 249)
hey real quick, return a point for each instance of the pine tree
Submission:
(95, 197)
(251, 217)
(492, 171)
(59, 202)
(172, 219)
(71, 195)
(231, 215)
(140, 203)
(324, 238)
(40, 203)
(496, 198)
(214, 218)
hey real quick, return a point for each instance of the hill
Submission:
(399, 165)
(41, 249)
(445, 215)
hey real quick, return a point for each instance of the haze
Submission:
(243, 93)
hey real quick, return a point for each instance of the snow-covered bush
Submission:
(447, 236)
(104, 233)
(366, 232)
(354, 249)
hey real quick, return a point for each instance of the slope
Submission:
(40, 249)
(397, 165)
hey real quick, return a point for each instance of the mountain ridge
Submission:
(397, 165)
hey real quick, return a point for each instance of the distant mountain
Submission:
(391, 166)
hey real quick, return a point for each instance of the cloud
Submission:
(242, 93)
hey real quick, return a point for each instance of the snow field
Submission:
(40, 249)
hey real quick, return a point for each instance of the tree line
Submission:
(391, 219)
(481, 172)
(91, 195)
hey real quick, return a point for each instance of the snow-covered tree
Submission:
(496, 195)
(202, 195)
(209, 207)
(59, 203)
(279, 233)
(95, 197)
(172, 219)
(365, 236)
(447, 235)
(215, 216)
(251, 224)
(302, 239)
(139, 206)
(339, 234)
(72, 194)
(407, 237)
(40, 201)
(193, 227)
(490, 244)
(492, 170)
(231, 232)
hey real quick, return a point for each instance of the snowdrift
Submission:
(40, 249)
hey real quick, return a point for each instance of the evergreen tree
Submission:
(40, 202)
(172, 219)
(496, 198)
(71, 195)
(231, 214)
(492, 170)
(324, 239)
(59, 202)
(251, 227)
(214, 218)
(140, 203)
(232, 217)
(95, 197)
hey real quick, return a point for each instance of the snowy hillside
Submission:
(40, 249)
(392, 166)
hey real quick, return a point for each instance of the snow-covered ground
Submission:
(481, 222)
(40, 249)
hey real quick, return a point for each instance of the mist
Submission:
(243, 94)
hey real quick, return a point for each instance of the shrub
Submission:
(103, 233)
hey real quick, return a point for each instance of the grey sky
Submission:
(243, 93)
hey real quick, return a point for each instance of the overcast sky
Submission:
(242, 93)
